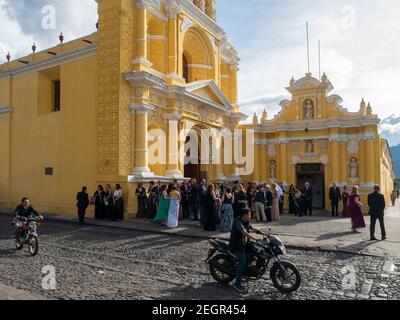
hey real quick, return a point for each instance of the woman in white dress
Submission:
(173, 213)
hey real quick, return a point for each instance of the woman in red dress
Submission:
(354, 209)
(345, 197)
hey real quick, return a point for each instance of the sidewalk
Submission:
(317, 232)
(10, 293)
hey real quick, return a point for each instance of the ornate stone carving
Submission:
(271, 149)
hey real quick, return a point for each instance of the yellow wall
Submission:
(63, 140)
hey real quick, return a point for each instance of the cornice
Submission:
(60, 58)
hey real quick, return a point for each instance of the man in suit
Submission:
(377, 205)
(335, 197)
(307, 197)
(82, 199)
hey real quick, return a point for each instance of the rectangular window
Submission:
(57, 96)
(48, 171)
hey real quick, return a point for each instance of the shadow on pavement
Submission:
(334, 235)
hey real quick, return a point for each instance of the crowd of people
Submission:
(108, 204)
(217, 205)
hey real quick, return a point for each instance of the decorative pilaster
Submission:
(174, 58)
(173, 124)
(141, 63)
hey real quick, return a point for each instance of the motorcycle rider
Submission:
(237, 244)
(25, 210)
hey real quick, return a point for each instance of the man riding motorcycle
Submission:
(237, 244)
(25, 210)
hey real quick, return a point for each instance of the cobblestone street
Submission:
(104, 263)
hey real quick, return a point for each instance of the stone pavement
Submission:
(10, 293)
(320, 232)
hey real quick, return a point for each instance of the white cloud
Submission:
(22, 23)
(363, 61)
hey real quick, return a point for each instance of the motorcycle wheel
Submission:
(33, 245)
(18, 244)
(218, 275)
(286, 279)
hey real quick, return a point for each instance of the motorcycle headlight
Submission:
(32, 224)
(18, 224)
(283, 249)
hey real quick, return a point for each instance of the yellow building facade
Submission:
(90, 112)
(79, 114)
(314, 139)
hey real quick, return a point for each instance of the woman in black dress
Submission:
(109, 203)
(292, 196)
(142, 201)
(209, 210)
(240, 201)
(118, 203)
(99, 208)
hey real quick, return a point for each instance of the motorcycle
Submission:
(26, 233)
(284, 275)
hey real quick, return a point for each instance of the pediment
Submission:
(209, 90)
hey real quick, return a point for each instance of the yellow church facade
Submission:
(314, 139)
(90, 111)
(79, 114)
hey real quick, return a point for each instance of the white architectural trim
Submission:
(272, 127)
(141, 108)
(5, 110)
(156, 37)
(201, 66)
(335, 137)
(143, 61)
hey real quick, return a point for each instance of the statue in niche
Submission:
(353, 168)
(308, 110)
(310, 147)
(272, 169)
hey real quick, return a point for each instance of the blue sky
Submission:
(360, 44)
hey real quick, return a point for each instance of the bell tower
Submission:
(209, 7)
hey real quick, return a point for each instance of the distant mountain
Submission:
(390, 129)
(396, 159)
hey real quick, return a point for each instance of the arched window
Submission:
(185, 73)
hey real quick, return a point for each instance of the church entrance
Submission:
(315, 175)
(192, 159)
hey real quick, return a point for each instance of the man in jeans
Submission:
(237, 244)
(260, 202)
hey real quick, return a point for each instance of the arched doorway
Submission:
(192, 162)
(195, 165)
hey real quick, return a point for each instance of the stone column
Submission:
(370, 150)
(141, 166)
